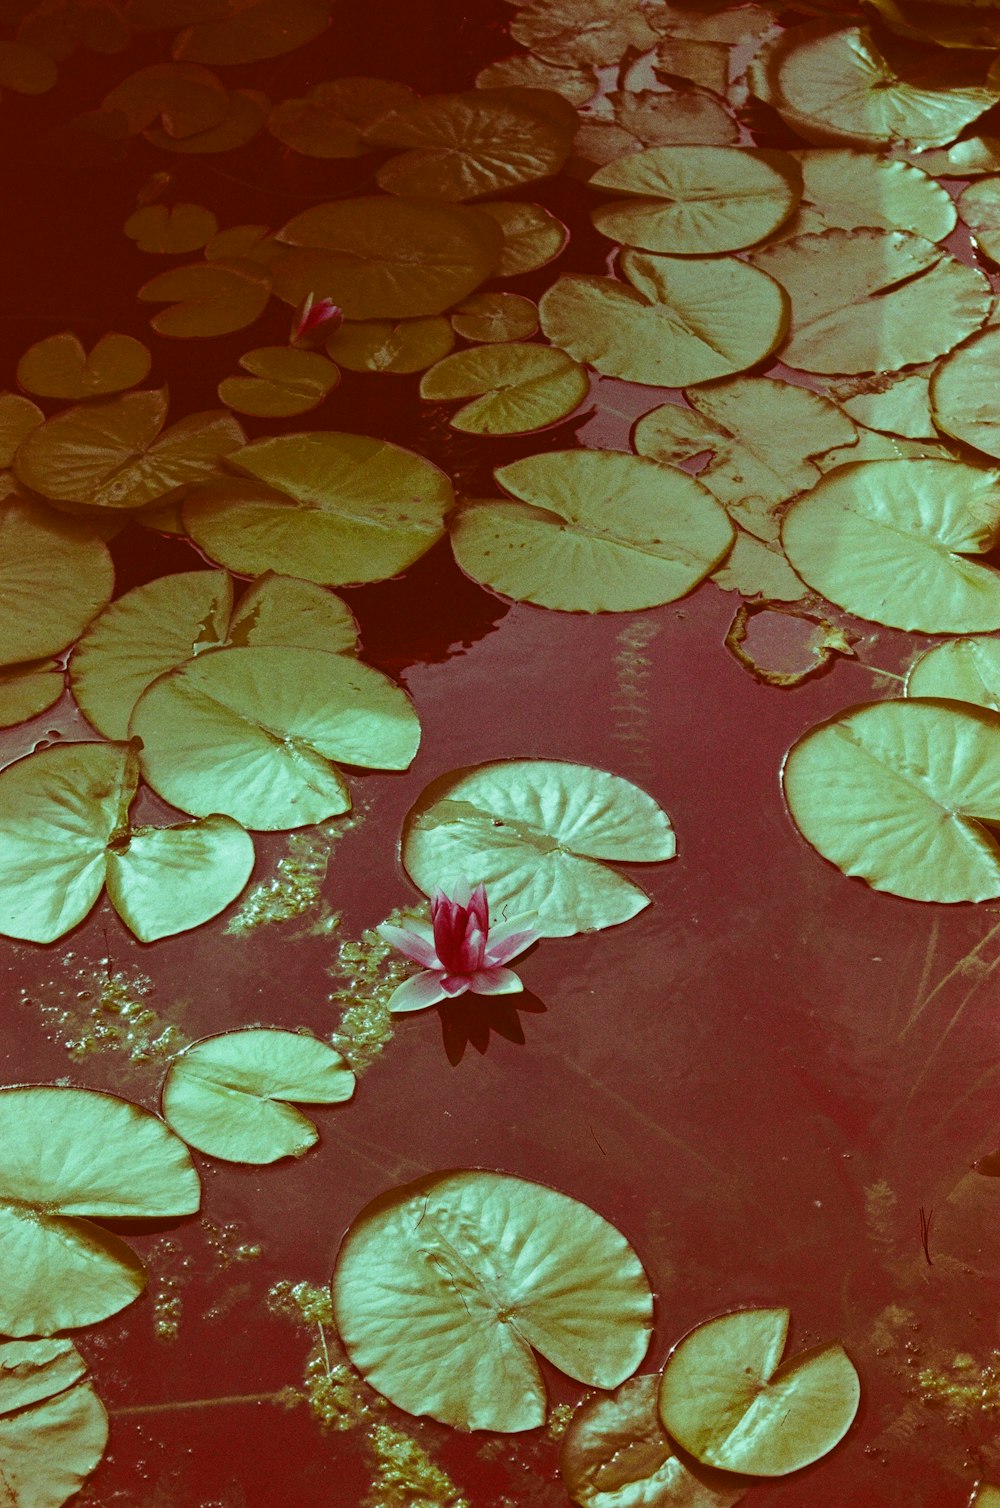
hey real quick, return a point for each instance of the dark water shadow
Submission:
(468, 1021)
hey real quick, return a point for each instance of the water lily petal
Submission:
(456, 984)
(418, 992)
(508, 941)
(412, 943)
(496, 982)
(471, 949)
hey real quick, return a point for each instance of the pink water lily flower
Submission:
(314, 320)
(458, 950)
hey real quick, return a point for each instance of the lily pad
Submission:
(616, 1454)
(186, 98)
(897, 403)
(589, 32)
(756, 569)
(228, 1095)
(331, 508)
(562, 545)
(525, 71)
(904, 794)
(254, 732)
(489, 317)
(70, 1157)
(383, 345)
(979, 206)
(847, 190)
(962, 393)
(538, 834)
(386, 258)
(53, 1426)
(64, 834)
(985, 1496)
(247, 112)
(927, 301)
(283, 383)
(170, 229)
(208, 298)
(675, 117)
(726, 1399)
(516, 388)
(532, 236)
(444, 1288)
(693, 201)
(964, 670)
(28, 690)
(890, 541)
(330, 118)
(682, 321)
(59, 367)
(18, 417)
(55, 575)
(254, 30)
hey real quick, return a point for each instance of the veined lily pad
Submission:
(490, 317)
(890, 541)
(964, 670)
(331, 508)
(59, 367)
(208, 298)
(726, 1399)
(847, 190)
(27, 690)
(382, 345)
(444, 1288)
(64, 834)
(539, 834)
(516, 388)
(55, 575)
(563, 544)
(70, 1157)
(678, 117)
(532, 237)
(904, 794)
(228, 1095)
(169, 230)
(53, 1427)
(588, 32)
(979, 205)
(692, 201)
(283, 383)
(682, 321)
(254, 732)
(962, 393)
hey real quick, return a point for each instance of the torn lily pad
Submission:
(60, 367)
(489, 317)
(445, 1288)
(56, 574)
(800, 643)
(53, 1426)
(539, 834)
(234, 1096)
(515, 387)
(70, 1157)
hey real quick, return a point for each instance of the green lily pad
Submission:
(18, 417)
(726, 1399)
(53, 1426)
(283, 383)
(538, 834)
(516, 388)
(985, 1496)
(331, 508)
(897, 403)
(64, 834)
(70, 1157)
(489, 317)
(59, 367)
(532, 236)
(963, 670)
(693, 201)
(962, 393)
(558, 546)
(383, 345)
(386, 258)
(208, 298)
(254, 732)
(682, 320)
(847, 190)
(55, 575)
(228, 1095)
(927, 301)
(28, 690)
(891, 540)
(170, 229)
(330, 118)
(445, 1287)
(904, 794)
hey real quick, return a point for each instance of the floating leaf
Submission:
(589, 32)
(985, 1496)
(683, 321)
(330, 118)
(27, 690)
(516, 387)
(25, 69)
(284, 383)
(187, 99)
(847, 190)
(72, 1156)
(112, 454)
(726, 1399)
(966, 159)
(532, 237)
(55, 575)
(170, 229)
(64, 833)
(898, 403)
(53, 1427)
(565, 544)
(756, 569)
(18, 417)
(59, 367)
(535, 832)
(760, 432)
(465, 145)
(796, 643)
(382, 345)
(979, 206)
(962, 393)
(927, 301)
(386, 258)
(525, 71)
(692, 201)
(941, 22)
(254, 30)
(890, 541)
(254, 732)
(280, 610)
(331, 508)
(445, 1287)
(228, 1095)
(491, 317)
(964, 670)
(247, 112)
(616, 1454)
(675, 117)
(208, 298)
(904, 794)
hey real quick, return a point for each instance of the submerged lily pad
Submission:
(964, 670)
(588, 32)
(53, 1426)
(55, 575)
(726, 1399)
(904, 794)
(564, 544)
(188, 99)
(891, 540)
(489, 317)
(59, 367)
(254, 733)
(70, 1157)
(253, 30)
(228, 1095)
(444, 1288)
(539, 834)
(516, 388)
(245, 118)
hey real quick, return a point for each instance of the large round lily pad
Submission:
(539, 834)
(444, 1288)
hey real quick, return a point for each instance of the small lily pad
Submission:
(59, 367)
(55, 575)
(489, 317)
(516, 388)
(208, 298)
(170, 229)
(532, 236)
(27, 690)
(283, 383)
(383, 345)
